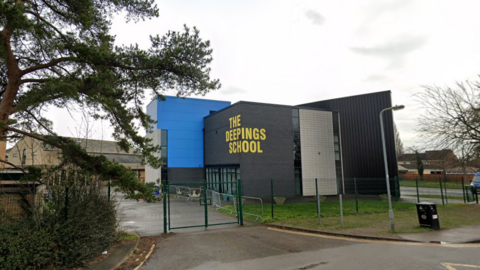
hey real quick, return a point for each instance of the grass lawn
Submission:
(371, 219)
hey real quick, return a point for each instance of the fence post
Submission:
(164, 191)
(445, 186)
(168, 206)
(395, 180)
(418, 195)
(66, 203)
(341, 205)
(271, 192)
(441, 190)
(205, 202)
(239, 194)
(463, 191)
(318, 201)
(355, 187)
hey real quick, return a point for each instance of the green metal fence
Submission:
(205, 204)
(202, 204)
(442, 190)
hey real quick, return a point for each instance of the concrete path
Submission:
(467, 234)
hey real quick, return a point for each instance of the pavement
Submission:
(462, 235)
(466, 234)
(131, 211)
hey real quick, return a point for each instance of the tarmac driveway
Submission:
(146, 219)
(204, 249)
(258, 247)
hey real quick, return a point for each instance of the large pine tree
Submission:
(60, 53)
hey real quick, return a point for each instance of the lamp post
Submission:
(390, 211)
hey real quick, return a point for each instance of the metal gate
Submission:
(202, 204)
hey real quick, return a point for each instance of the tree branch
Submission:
(35, 136)
(32, 81)
(39, 122)
(47, 65)
(13, 165)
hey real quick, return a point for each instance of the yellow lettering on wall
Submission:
(231, 119)
(263, 134)
(234, 121)
(253, 147)
(244, 139)
(245, 146)
(255, 134)
(248, 133)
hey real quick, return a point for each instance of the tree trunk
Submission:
(14, 81)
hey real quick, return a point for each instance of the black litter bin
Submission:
(427, 215)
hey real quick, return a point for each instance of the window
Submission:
(15, 155)
(24, 156)
(164, 137)
(34, 154)
(297, 156)
(222, 178)
(295, 113)
(336, 146)
(164, 145)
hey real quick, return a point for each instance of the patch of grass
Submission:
(125, 236)
(328, 209)
(430, 184)
(371, 219)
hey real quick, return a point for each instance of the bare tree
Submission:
(452, 116)
(398, 142)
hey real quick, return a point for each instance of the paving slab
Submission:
(466, 234)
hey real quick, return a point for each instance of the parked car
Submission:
(475, 184)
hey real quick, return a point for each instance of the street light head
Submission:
(398, 107)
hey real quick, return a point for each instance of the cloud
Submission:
(377, 78)
(400, 46)
(232, 90)
(315, 17)
(376, 10)
(395, 50)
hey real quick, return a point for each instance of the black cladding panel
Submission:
(361, 134)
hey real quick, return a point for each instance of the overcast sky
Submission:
(294, 52)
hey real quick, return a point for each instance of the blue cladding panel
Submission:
(183, 118)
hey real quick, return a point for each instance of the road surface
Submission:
(260, 247)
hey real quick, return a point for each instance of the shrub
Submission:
(59, 234)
